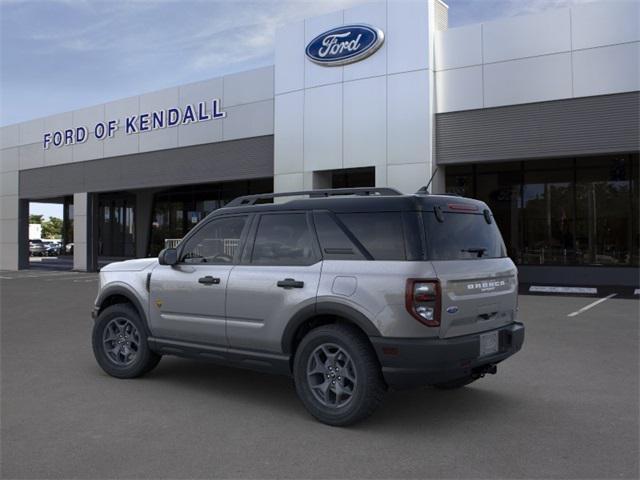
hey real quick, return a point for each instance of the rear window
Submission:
(462, 236)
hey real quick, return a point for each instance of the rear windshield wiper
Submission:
(479, 251)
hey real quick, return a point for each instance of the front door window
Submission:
(216, 243)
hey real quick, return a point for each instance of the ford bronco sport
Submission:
(349, 291)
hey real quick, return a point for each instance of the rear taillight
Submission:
(423, 301)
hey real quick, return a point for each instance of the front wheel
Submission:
(120, 343)
(337, 375)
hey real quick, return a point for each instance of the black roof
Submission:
(363, 203)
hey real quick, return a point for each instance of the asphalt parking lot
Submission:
(564, 407)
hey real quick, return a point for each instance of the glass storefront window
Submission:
(548, 221)
(567, 211)
(178, 210)
(499, 186)
(353, 178)
(634, 163)
(116, 228)
(459, 180)
(603, 196)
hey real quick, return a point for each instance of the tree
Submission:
(36, 219)
(52, 228)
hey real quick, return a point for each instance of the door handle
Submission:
(209, 280)
(290, 283)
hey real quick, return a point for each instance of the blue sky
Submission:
(60, 55)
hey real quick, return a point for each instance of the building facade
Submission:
(536, 115)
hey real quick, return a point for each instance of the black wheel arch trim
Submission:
(124, 292)
(326, 308)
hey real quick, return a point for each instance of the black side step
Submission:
(251, 359)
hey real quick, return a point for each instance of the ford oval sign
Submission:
(343, 45)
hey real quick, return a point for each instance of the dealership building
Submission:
(536, 115)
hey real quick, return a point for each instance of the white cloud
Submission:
(537, 6)
(463, 12)
(253, 36)
(92, 51)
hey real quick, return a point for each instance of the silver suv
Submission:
(349, 291)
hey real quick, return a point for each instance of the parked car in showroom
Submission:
(37, 248)
(350, 294)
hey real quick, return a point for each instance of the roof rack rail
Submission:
(329, 192)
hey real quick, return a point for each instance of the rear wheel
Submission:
(337, 375)
(120, 343)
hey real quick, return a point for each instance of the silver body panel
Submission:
(180, 308)
(258, 310)
(379, 292)
(481, 295)
(130, 276)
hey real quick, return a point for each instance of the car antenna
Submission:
(425, 190)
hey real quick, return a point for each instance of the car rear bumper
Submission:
(409, 362)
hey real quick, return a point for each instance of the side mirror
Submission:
(168, 256)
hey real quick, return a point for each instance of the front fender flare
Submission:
(129, 294)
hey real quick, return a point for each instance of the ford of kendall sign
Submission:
(139, 123)
(344, 45)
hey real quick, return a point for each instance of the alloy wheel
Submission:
(331, 375)
(121, 341)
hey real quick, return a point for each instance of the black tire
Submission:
(367, 393)
(141, 359)
(454, 384)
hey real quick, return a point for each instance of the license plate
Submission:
(489, 344)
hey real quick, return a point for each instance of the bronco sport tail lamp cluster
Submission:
(423, 301)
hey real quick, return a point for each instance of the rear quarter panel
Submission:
(377, 290)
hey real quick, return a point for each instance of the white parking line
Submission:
(550, 289)
(74, 278)
(46, 275)
(591, 305)
(49, 276)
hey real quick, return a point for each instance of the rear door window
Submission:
(334, 239)
(462, 236)
(380, 233)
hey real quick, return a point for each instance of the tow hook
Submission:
(480, 372)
